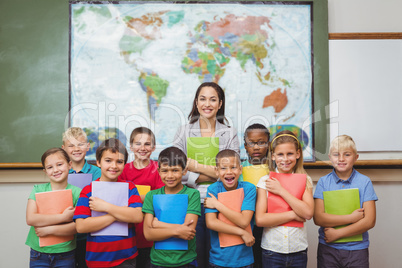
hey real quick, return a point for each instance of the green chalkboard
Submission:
(34, 77)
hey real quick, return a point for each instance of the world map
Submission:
(139, 64)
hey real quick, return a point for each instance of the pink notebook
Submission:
(295, 184)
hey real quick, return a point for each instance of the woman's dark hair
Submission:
(220, 115)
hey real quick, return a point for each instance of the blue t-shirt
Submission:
(332, 182)
(234, 256)
(89, 169)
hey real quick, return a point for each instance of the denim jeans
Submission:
(131, 263)
(143, 258)
(329, 257)
(203, 240)
(80, 252)
(52, 260)
(216, 266)
(272, 259)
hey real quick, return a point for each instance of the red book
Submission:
(54, 202)
(295, 184)
(233, 200)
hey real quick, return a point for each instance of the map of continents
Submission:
(146, 57)
(240, 39)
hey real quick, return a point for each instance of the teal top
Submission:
(89, 169)
(96, 174)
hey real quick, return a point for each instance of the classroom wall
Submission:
(344, 16)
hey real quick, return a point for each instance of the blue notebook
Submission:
(171, 208)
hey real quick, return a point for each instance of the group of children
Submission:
(277, 245)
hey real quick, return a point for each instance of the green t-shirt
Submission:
(33, 240)
(173, 258)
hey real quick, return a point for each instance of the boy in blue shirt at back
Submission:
(228, 169)
(76, 145)
(343, 155)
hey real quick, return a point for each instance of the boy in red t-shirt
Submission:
(142, 171)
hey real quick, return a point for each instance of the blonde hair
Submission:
(73, 133)
(342, 143)
(287, 136)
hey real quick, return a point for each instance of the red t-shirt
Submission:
(146, 176)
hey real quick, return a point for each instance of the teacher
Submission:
(206, 119)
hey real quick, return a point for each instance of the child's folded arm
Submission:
(194, 166)
(264, 219)
(58, 230)
(155, 230)
(122, 214)
(359, 227)
(241, 219)
(219, 226)
(330, 220)
(33, 218)
(93, 224)
(126, 214)
(205, 178)
(303, 208)
(190, 219)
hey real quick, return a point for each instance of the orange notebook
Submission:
(54, 202)
(233, 200)
(295, 184)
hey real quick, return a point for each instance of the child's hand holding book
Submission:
(185, 231)
(248, 238)
(274, 186)
(99, 205)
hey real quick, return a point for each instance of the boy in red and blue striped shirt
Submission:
(109, 251)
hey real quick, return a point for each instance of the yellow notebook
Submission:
(253, 174)
(143, 189)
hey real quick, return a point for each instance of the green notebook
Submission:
(343, 202)
(203, 149)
